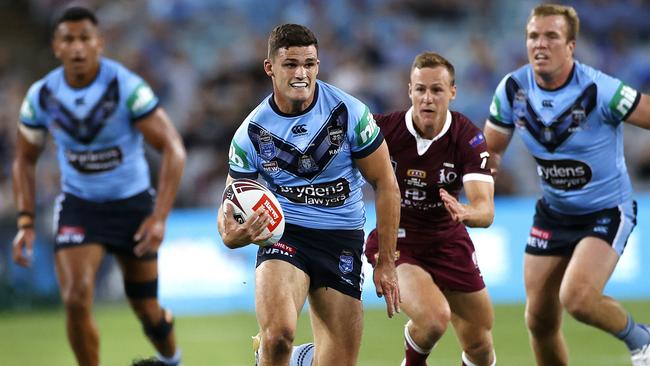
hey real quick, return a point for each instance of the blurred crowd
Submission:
(204, 60)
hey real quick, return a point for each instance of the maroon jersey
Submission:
(428, 237)
(457, 154)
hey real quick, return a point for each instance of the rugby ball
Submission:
(246, 196)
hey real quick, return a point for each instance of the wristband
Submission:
(29, 214)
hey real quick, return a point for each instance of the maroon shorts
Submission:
(449, 257)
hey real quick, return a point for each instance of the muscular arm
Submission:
(641, 114)
(497, 139)
(159, 132)
(377, 170)
(480, 210)
(23, 175)
(235, 235)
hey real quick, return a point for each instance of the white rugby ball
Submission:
(246, 196)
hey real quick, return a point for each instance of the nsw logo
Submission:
(346, 262)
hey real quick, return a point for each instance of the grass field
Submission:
(38, 339)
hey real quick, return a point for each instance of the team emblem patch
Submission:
(346, 262)
(306, 164)
(335, 135)
(267, 147)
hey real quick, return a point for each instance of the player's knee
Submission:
(278, 340)
(435, 323)
(540, 324)
(78, 297)
(480, 349)
(160, 329)
(578, 301)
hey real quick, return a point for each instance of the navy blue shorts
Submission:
(331, 258)
(554, 233)
(111, 223)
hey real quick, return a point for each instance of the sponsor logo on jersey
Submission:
(623, 100)
(70, 235)
(346, 262)
(416, 173)
(237, 156)
(604, 221)
(94, 161)
(566, 175)
(271, 167)
(415, 194)
(495, 108)
(27, 111)
(477, 140)
(366, 129)
(446, 176)
(547, 103)
(330, 194)
(299, 130)
(141, 99)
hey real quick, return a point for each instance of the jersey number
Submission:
(484, 156)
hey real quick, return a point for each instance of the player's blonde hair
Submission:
(431, 60)
(568, 12)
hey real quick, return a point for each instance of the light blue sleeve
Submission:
(31, 114)
(242, 158)
(364, 135)
(140, 98)
(615, 99)
(500, 108)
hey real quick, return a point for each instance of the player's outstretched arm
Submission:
(480, 210)
(377, 170)
(641, 114)
(159, 132)
(497, 139)
(236, 235)
(28, 149)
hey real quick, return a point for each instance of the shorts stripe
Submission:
(628, 222)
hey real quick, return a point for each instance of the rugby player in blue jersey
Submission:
(569, 117)
(311, 143)
(99, 113)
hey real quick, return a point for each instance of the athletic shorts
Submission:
(554, 233)
(331, 258)
(112, 224)
(449, 256)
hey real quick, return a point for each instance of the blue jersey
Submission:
(574, 133)
(307, 159)
(99, 148)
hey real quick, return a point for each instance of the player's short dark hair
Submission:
(431, 60)
(290, 35)
(568, 12)
(74, 14)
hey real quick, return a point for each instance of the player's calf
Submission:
(415, 354)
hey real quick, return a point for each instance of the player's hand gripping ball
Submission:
(246, 196)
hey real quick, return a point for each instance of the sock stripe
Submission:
(412, 343)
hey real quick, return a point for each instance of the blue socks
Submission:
(634, 335)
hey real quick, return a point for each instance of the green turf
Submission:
(38, 338)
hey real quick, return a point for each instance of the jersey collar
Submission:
(422, 143)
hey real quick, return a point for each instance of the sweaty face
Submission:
(78, 46)
(549, 51)
(293, 71)
(430, 91)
